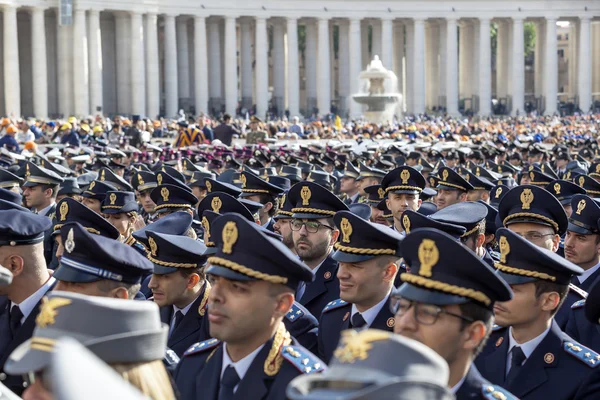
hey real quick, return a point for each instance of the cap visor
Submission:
(162, 270)
(528, 220)
(404, 191)
(580, 230)
(515, 279)
(421, 295)
(68, 274)
(24, 359)
(228, 273)
(341, 256)
(309, 216)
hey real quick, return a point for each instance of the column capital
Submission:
(356, 20)
(94, 11)
(419, 20)
(551, 18)
(454, 19)
(322, 18)
(482, 19)
(290, 19)
(387, 18)
(585, 18)
(518, 18)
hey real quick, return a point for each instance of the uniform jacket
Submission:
(325, 288)
(303, 326)
(575, 294)
(270, 225)
(476, 387)
(555, 370)
(336, 318)
(50, 243)
(581, 329)
(198, 374)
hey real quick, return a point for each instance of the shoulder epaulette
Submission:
(332, 305)
(495, 392)
(587, 356)
(294, 314)
(495, 255)
(303, 360)
(202, 347)
(578, 304)
(171, 358)
(578, 290)
(496, 328)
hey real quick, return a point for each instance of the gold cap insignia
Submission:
(356, 345)
(346, 227)
(498, 192)
(405, 176)
(581, 180)
(159, 179)
(164, 192)
(429, 255)
(598, 168)
(467, 177)
(103, 175)
(305, 193)
(477, 172)
(532, 176)
(153, 246)
(526, 198)
(140, 179)
(92, 185)
(568, 175)
(432, 181)
(70, 242)
(208, 186)
(27, 172)
(381, 193)
(445, 175)
(113, 199)
(267, 178)
(229, 236)
(64, 210)
(580, 206)
(557, 188)
(499, 169)
(243, 180)
(206, 227)
(531, 167)
(216, 204)
(504, 249)
(48, 313)
(406, 223)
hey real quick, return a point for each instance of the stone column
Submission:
(279, 65)
(201, 65)
(399, 55)
(550, 67)
(344, 68)
(485, 68)
(410, 55)
(443, 56)
(451, 67)
(183, 57)
(585, 65)
(354, 64)
(123, 52)
(364, 44)
(152, 71)
(293, 69)
(231, 78)
(573, 58)
(323, 69)
(246, 62)
(376, 41)
(518, 67)
(64, 46)
(214, 66)
(540, 43)
(39, 67)
(171, 72)
(12, 81)
(310, 67)
(502, 49)
(262, 67)
(463, 60)
(432, 49)
(80, 65)
(387, 43)
(418, 62)
(596, 53)
(138, 81)
(95, 62)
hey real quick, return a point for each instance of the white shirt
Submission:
(455, 388)
(587, 273)
(45, 210)
(183, 311)
(242, 366)
(29, 303)
(372, 312)
(266, 223)
(527, 347)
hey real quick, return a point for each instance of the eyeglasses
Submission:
(425, 314)
(311, 226)
(534, 236)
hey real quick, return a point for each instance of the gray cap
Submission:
(5, 276)
(76, 373)
(115, 330)
(366, 366)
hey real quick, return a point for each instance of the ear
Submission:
(284, 303)
(387, 203)
(555, 243)
(390, 271)
(267, 207)
(419, 202)
(463, 196)
(474, 334)
(48, 193)
(550, 301)
(480, 240)
(120, 293)
(485, 196)
(15, 265)
(192, 281)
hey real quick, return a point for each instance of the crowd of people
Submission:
(428, 258)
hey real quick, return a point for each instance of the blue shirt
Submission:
(10, 143)
(72, 138)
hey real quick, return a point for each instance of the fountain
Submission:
(379, 93)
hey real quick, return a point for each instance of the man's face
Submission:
(364, 182)
(168, 289)
(568, 209)
(312, 246)
(119, 221)
(144, 199)
(514, 162)
(253, 126)
(349, 185)
(400, 202)
(282, 227)
(561, 164)
(377, 216)
(229, 304)
(540, 235)
(451, 163)
(531, 159)
(446, 198)
(522, 309)
(525, 179)
(362, 282)
(199, 192)
(476, 195)
(582, 250)
(93, 204)
(34, 196)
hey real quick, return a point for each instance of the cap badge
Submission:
(243, 180)
(568, 175)
(70, 242)
(356, 345)
(27, 172)
(159, 179)
(103, 175)
(504, 249)
(499, 169)
(48, 313)
(381, 193)
(229, 236)
(164, 192)
(429, 255)
(557, 188)
(92, 185)
(598, 168)
(467, 177)
(445, 175)
(477, 172)
(526, 198)
(498, 192)
(581, 180)
(580, 206)
(206, 227)
(404, 175)
(531, 167)
(208, 186)
(113, 199)
(432, 181)
(140, 179)
(532, 176)
(216, 204)
(346, 227)
(406, 223)
(153, 246)
(305, 193)
(283, 199)
(64, 210)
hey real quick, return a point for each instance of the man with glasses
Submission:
(369, 259)
(314, 235)
(446, 303)
(532, 357)
(402, 185)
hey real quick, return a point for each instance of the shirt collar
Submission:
(370, 314)
(183, 310)
(45, 210)
(243, 365)
(267, 223)
(587, 273)
(527, 347)
(27, 305)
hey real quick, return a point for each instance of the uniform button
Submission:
(2, 376)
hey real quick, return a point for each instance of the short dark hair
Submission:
(477, 312)
(542, 287)
(226, 117)
(106, 285)
(54, 188)
(479, 231)
(265, 198)
(187, 272)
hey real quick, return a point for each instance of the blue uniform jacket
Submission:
(575, 294)
(325, 288)
(303, 326)
(581, 329)
(476, 387)
(556, 369)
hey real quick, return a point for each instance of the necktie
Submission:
(358, 321)
(178, 318)
(228, 382)
(300, 291)
(518, 357)
(15, 319)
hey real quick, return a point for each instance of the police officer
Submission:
(530, 355)
(446, 303)
(402, 185)
(282, 220)
(143, 182)
(349, 185)
(369, 257)
(120, 209)
(255, 135)
(94, 194)
(251, 275)
(564, 192)
(452, 188)
(261, 191)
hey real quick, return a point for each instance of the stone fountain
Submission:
(379, 92)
